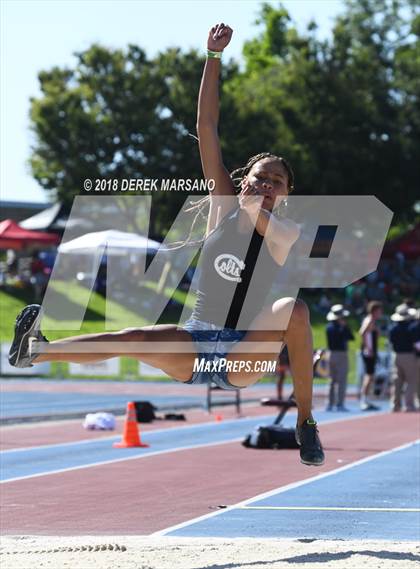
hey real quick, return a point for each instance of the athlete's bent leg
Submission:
(298, 337)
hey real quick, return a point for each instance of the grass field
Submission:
(13, 300)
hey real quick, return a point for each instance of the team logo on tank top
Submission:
(229, 267)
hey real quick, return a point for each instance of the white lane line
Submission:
(55, 445)
(143, 432)
(283, 489)
(328, 509)
(112, 461)
(195, 425)
(68, 422)
(155, 453)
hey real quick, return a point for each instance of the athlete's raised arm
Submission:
(207, 123)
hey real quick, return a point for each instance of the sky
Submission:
(37, 35)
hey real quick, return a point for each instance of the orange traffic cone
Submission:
(131, 436)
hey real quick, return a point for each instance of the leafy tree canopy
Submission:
(344, 111)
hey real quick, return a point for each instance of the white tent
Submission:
(116, 242)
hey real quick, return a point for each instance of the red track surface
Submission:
(150, 494)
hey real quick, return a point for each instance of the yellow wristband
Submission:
(214, 54)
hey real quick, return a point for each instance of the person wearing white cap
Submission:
(338, 335)
(404, 372)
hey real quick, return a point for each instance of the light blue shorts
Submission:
(213, 343)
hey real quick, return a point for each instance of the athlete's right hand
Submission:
(219, 37)
(249, 199)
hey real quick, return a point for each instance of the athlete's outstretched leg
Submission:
(179, 365)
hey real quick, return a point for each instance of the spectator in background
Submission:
(355, 297)
(369, 347)
(400, 259)
(37, 265)
(324, 303)
(408, 301)
(39, 277)
(404, 364)
(415, 331)
(338, 335)
(11, 262)
(416, 271)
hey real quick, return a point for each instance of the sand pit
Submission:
(129, 552)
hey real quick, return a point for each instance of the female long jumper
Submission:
(234, 211)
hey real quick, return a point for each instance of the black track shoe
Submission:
(307, 438)
(26, 331)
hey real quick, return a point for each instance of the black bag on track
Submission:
(275, 436)
(271, 436)
(145, 411)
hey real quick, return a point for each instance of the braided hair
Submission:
(236, 176)
(240, 173)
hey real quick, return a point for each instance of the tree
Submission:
(118, 115)
(344, 111)
(365, 58)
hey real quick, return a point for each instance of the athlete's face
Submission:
(268, 177)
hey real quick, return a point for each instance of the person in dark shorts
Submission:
(369, 333)
(242, 203)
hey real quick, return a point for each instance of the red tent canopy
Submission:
(12, 236)
(409, 244)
